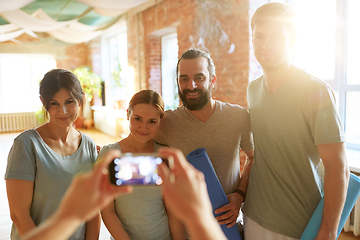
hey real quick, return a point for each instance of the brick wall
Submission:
(219, 27)
(153, 63)
(94, 57)
(165, 18)
(75, 56)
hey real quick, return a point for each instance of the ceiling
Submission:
(70, 21)
(63, 10)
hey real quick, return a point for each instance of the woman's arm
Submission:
(93, 228)
(113, 223)
(20, 193)
(177, 228)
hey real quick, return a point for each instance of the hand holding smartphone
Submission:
(135, 169)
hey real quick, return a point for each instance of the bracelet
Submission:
(240, 192)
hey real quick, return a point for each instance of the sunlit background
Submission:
(328, 48)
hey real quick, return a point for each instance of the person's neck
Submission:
(276, 77)
(206, 112)
(130, 145)
(58, 134)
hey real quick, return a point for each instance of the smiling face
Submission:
(144, 121)
(63, 108)
(272, 44)
(194, 83)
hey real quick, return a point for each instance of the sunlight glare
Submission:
(315, 48)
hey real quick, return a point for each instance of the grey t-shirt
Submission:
(142, 212)
(285, 186)
(31, 159)
(222, 135)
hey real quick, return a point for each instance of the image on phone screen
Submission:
(135, 170)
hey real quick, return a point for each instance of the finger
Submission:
(224, 208)
(226, 221)
(109, 189)
(231, 224)
(171, 167)
(115, 191)
(225, 216)
(164, 173)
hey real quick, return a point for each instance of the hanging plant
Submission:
(116, 74)
(90, 82)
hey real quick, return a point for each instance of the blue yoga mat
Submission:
(200, 160)
(313, 226)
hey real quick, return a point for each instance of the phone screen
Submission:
(135, 170)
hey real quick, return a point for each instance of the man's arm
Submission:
(235, 199)
(335, 187)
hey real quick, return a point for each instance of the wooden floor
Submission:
(6, 140)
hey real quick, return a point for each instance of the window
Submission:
(328, 48)
(20, 75)
(349, 88)
(169, 58)
(118, 87)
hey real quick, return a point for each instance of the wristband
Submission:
(240, 192)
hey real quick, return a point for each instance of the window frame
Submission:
(111, 89)
(340, 82)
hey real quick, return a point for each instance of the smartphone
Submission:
(135, 169)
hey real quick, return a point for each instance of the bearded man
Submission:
(202, 122)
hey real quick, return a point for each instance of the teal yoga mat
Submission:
(313, 226)
(200, 160)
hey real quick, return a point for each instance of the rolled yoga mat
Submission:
(200, 160)
(313, 226)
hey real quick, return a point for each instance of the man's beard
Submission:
(195, 103)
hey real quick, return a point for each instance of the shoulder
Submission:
(174, 112)
(30, 133)
(86, 138)
(255, 83)
(231, 108)
(109, 147)
(174, 115)
(308, 80)
(313, 87)
(87, 141)
(27, 136)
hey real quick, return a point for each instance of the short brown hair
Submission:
(275, 11)
(148, 97)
